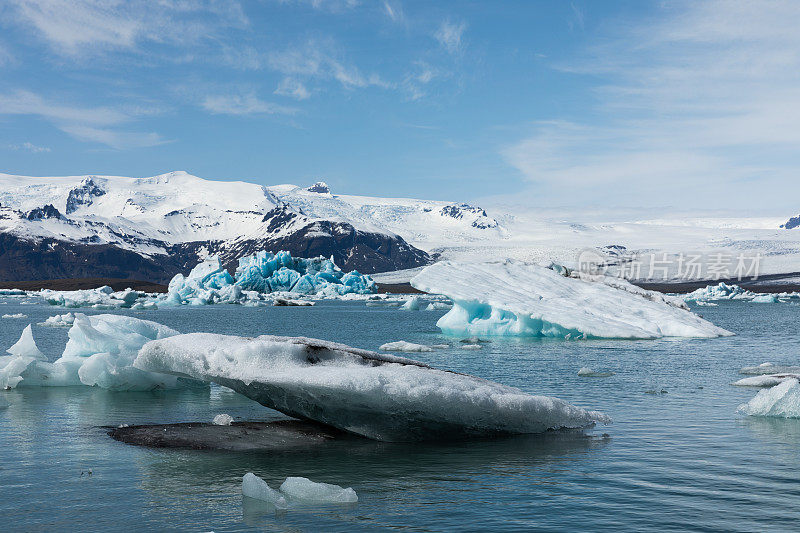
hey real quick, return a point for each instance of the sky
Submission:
(535, 103)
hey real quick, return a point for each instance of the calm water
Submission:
(674, 461)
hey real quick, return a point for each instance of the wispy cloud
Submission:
(322, 60)
(394, 10)
(326, 5)
(237, 104)
(72, 27)
(28, 147)
(702, 98)
(451, 35)
(83, 123)
(293, 89)
(415, 82)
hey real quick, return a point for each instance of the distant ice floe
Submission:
(59, 321)
(12, 292)
(100, 298)
(724, 291)
(15, 315)
(100, 352)
(378, 396)
(403, 346)
(514, 298)
(587, 372)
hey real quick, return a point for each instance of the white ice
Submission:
(100, 298)
(412, 304)
(300, 488)
(99, 352)
(24, 354)
(471, 347)
(403, 346)
(15, 315)
(222, 419)
(765, 380)
(255, 487)
(59, 321)
(765, 299)
(382, 397)
(514, 298)
(782, 400)
(769, 368)
(587, 372)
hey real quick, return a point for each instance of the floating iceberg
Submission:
(782, 400)
(99, 352)
(514, 298)
(264, 273)
(15, 315)
(587, 372)
(12, 292)
(382, 397)
(769, 368)
(24, 354)
(59, 321)
(300, 488)
(100, 298)
(765, 299)
(255, 487)
(721, 291)
(765, 380)
(412, 304)
(403, 346)
(222, 419)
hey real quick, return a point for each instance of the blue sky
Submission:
(539, 103)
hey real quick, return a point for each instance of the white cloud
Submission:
(393, 10)
(29, 147)
(293, 89)
(698, 101)
(119, 140)
(90, 124)
(248, 104)
(72, 27)
(322, 60)
(415, 82)
(450, 35)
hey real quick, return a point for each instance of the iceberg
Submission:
(514, 298)
(412, 304)
(100, 298)
(764, 380)
(382, 397)
(721, 291)
(471, 347)
(12, 292)
(15, 315)
(765, 299)
(782, 400)
(59, 321)
(769, 368)
(24, 354)
(100, 352)
(255, 487)
(301, 488)
(265, 273)
(403, 346)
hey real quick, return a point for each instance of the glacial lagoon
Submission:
(677, 457)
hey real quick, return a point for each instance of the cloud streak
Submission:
(704, 98)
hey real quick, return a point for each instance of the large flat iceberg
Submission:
(514, 298)
(382, 397)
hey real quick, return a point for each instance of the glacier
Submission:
(100, 352)
(519, 299)
(378, 396)
(265, 273)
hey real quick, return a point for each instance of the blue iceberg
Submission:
(265, 273)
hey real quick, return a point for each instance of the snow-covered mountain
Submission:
(151, 228)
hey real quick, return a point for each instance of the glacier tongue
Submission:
(378, 396)
(514, 298)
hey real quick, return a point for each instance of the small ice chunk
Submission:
(782, 400)
(15, 315)
(435, 306)
(403, 346)
(26, 346)
(301, 488)
(412, 304)
(59, 321)
(440, 346)
(471, 347)
(769, 368)
(765, 299)
(222, 420)
(255, 487)
(767, 380)
(587, 372)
